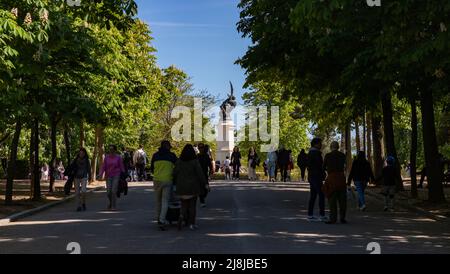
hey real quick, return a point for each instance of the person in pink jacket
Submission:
(112, 169)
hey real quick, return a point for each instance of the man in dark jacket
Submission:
(283, 162)
(207, 167)
(302, 163)
(316, 176)
(361, 173)
(334, 165)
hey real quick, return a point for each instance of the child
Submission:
(226, 165)
(388, 177)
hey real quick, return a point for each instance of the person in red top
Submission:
(112, 169)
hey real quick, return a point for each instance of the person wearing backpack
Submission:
(140, 161)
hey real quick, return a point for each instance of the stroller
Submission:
(174, 210)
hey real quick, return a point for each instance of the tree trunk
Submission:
(67, 144)
(369, 138)
(388, 124)
(377, 146)
(342, 146)
(413, 155)
(364, 133)
(357, 136)
(12, 164)
(95, 155)
(432, 159)
(5, 138)
(101, 151)
(31, 159)
(82, 137)
(348, 147)
(52, 171)
(36, 166)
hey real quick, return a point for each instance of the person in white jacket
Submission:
(140, 162)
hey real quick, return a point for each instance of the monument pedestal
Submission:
(225, 141)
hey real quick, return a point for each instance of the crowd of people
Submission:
(184, 180)
(328, 180)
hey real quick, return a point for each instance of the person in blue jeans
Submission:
(316, 176)
(272, 164)
(361, 173)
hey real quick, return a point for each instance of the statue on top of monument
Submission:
(228, 105)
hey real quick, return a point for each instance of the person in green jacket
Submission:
(161, 167)
(190, 182)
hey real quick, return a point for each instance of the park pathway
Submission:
(240, 218)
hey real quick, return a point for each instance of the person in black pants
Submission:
(316, 176)
(302, 162)
(207, 168)
(283, 162)
(236, 162)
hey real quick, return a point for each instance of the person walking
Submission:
(302, 162)
(227, 168)
(272, 159)
(290, 166)
(316, 175)
(236, 163)
(388, 177)
(335, 183)
(140, 162)
(81, 171)
(190, 182)
(61, 170)
(45, 172)
(283, 163)
(128, 163)
(207, 166)
(252, 164)
(361, 173)
(162, 165)
(112, 169)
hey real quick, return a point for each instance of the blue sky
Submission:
(199, 37)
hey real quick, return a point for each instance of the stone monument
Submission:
(226, 127)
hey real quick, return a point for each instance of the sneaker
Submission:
(323, 219)
(84, 207)
(192, 227)
(386, 209)
(343, 222)
(363, 208)
(162, 227)
(330, 223)
(203, 205)
(312, 219)
(79, 209)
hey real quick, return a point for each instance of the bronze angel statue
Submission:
(228, 105)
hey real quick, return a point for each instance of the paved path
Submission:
(240, 218)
